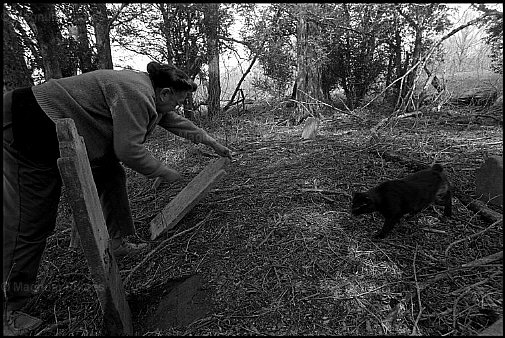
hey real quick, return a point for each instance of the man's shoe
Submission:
(17, 323)
(123, 247)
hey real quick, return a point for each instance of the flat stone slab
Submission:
(489, 181)
(173, 303)
(184, 304)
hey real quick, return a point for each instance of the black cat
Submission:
(396, 198)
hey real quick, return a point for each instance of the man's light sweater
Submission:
(114, 111)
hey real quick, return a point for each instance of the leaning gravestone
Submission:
(310, 128)
(489, 181)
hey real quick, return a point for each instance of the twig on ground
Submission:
(470, 237)
(363, 293)
(415, 330)
(266, 238)
(455, 308)
(232, 188)
(434, 230)
(226, 199)
(371, 313)
(54, 326)
(324, 191)
(478, 207)
(485, 260)
(162, 244)
(467, 287)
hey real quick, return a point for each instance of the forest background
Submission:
(325, 53)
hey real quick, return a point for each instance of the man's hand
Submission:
(221, 150)
(169, 176)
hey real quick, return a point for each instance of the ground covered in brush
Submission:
(276, 249)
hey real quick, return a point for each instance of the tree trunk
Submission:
(347, 81)
(368, 46)
(309, 93)
(167, 23)
(85, 54)
(212, 21)
(102, 30)
(416, 55)
(397, 59)
(15, 71)
(48, 36)
(389, 76)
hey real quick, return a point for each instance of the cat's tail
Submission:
(437, 167)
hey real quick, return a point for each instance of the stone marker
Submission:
(185, 302)
(310, 128)
(489, 181)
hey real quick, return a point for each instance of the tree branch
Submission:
(240, 83)
(114, 18)
(226, 38)
(407, 17)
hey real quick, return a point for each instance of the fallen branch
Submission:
(415, 330)
(55, 326)
(162, 244)
(319, 102)
(266, 238)
(412, 163)
(484, 260)
(230, 103)
(324, 191)
(470, 237)
(478, 207)
(386, 119)
(434, 231)
(468, 287)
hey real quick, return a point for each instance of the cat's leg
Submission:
(389, 224)
(448, 204)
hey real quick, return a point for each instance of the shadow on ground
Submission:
(176, 303)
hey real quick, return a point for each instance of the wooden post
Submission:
(90, 224)
(188, 197)
(74, 236)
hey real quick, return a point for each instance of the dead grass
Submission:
(279, 259)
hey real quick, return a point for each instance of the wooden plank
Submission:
(185, 200)
(91, 227)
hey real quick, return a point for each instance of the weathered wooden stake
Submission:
(188, 197)
(74, 236)
(90, 224)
